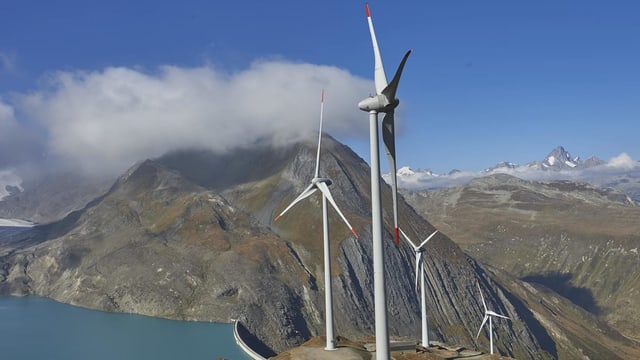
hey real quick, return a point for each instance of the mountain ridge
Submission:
(159, 244)
(620, 172)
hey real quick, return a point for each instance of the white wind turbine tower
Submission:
(322, 184)
(384, 101)
(419, 250)
(488, 314)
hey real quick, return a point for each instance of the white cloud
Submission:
(103, 121)
(622, 161)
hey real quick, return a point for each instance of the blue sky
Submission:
(487, 80)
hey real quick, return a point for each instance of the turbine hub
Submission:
(324, 180)
(379, 103)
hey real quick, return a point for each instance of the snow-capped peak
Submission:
(405, 171)
(559, 158)
(503, 165)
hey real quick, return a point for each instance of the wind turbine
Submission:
(322, 184)
(487, 315)
(384, 101)
(419, 250)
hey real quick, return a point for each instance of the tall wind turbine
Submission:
(322, 184)
(419, 250)
(384, 101)
(488, 314)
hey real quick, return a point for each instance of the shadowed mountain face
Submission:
(582, 242)
(191, 236)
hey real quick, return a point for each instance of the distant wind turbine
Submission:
(419, 250)
(384, 101)
(322, 184)
(487, 315)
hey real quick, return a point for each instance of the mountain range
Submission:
(620, 172)
(190, 235)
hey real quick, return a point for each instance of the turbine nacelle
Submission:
(321, 180)
(378, 103)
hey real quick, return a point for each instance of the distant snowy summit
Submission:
(561, 159)
(405, 171)
(502, 165)
(557, 165)
(558, 159)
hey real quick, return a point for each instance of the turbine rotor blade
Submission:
(492, 313)
(388, 137)
(319, 136)
(390, 90)
(429, 238)
(482, 297)
(407, 238)
(325, 191)
(379, 76)
(484, 321)
(305, 194)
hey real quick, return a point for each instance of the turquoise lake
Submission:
(38, 328)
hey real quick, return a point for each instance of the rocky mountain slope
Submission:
(577, 333)
(191, 236)
(580, 241)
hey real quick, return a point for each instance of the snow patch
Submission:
(551, 160)
(15, 223)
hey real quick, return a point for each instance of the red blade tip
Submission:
(278, 218)
(366, 6)
(397, 236)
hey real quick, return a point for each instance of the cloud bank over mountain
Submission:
(103, 121)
